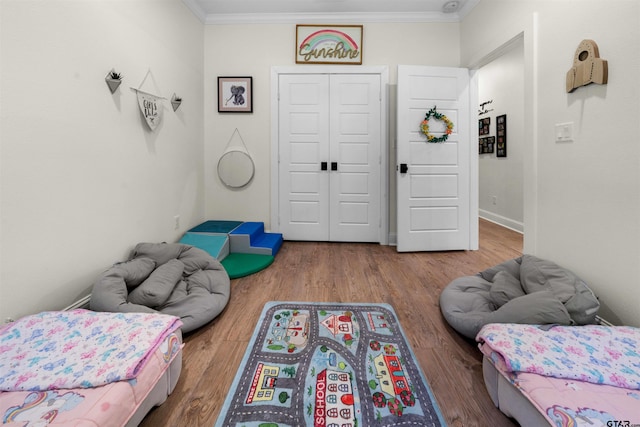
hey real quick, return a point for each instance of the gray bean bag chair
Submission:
(169, 278)
(526, 290)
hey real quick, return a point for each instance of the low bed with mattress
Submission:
(563, 375)
(81, 368)
(545, 360)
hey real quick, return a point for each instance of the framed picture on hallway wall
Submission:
(501, 136)
(483, 126)
(235, 94)
(486, 144)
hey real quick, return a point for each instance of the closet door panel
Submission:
(355, 142)
(303, 146)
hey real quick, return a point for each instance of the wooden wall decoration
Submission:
(329, 44)
(587, 67)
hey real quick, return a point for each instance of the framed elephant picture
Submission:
(235, 95)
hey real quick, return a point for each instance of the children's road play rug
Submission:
(324, 364)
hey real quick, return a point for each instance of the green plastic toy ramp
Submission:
(240, 265)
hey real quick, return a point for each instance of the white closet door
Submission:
(303, 146)
(330, 119)
(355, 141)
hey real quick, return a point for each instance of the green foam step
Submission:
(240, 265)
(215, 226)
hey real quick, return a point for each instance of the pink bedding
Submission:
(112, 404)
(598, 390)
(78, 349)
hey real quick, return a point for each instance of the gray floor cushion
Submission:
(169, 278)
(527, 290)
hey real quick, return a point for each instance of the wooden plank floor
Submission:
(348, 272)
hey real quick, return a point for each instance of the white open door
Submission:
(433, 179)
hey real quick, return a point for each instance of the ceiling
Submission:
(329, 11)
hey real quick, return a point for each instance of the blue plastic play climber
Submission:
(243, 248)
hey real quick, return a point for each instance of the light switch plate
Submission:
(564, 132)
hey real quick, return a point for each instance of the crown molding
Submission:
(334, 18)
(323, 18)
(196, 10)
(467, 8)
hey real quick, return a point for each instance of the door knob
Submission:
(404, 168)
(334, 166)
(323, 166)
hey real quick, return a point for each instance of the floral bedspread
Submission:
(595, 354)
(78, 349)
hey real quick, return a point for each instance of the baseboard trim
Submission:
(603, 322)
(496, 219)
(501, 220)
(81, 303)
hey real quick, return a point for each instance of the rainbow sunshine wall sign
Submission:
(335, 44)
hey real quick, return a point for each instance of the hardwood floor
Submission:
(348, 272)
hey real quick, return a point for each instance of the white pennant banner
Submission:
(151, 108)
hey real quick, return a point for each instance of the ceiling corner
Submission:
(197, 10)
(467, 8)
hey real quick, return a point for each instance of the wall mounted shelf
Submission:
(175, 101)
(113, 79)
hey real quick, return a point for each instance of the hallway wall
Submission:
(501, 82)
(581, 199)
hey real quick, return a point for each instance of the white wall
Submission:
(582, 199)
(251, 50)
(82, 180)
(502, 82)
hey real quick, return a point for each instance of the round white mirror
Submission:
(235, 168)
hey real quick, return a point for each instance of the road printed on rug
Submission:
(322, 364)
